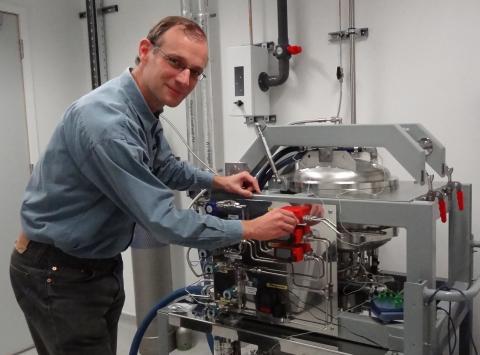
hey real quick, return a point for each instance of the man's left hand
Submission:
(242, 184)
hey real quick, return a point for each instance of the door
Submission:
(14, 173)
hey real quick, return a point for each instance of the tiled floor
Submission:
(126, 331)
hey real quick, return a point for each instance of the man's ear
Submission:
(143, 48)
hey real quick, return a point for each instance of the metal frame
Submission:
(402, 141)
(422, 332)
(424, 328)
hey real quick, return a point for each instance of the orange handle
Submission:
(442, 206)
(460, 199)
(293, 49)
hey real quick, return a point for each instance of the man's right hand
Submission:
(272, 225)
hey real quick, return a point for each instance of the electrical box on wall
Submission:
(244, 97)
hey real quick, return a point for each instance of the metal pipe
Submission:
(261, 259)
(264, 247)
(199, 104)
(282, 22)
(186, 8)
(318, 120)
(267, 151)
(453, 295)
(250, 23)
(352, 37)
(265, 80)
(260, 271)
(476, 243)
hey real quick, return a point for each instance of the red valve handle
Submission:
(299, 210)
(293, 50)
(460, 199)
(442, 206)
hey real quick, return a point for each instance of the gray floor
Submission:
(126, 331)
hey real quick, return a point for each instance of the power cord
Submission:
(451, 323)
(175, 129)
(334, 323)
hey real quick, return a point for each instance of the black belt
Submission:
(51, 255)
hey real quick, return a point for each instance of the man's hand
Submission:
(242, 184)
(316, 211)
(272, 225)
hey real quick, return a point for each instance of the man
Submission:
(107, 167)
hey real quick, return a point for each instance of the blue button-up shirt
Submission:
(107, 166)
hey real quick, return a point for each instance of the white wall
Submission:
(59, 60)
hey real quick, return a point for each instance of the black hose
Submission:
(262, 180)
(277, 156)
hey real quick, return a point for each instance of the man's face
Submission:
(170, 72)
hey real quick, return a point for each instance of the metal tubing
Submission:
(476, 243)
(199, 105)
(318, 120)
(453, 295)
(353, 89)
(267, 151)
(261, 271)
(250, 25)
(261, 259)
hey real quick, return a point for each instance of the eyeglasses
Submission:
(179, 64)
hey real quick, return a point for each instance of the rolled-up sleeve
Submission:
(119, 168)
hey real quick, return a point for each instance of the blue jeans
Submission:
(72, 305)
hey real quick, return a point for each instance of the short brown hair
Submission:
(191, 28)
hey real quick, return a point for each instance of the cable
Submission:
(473, 343)
(190, 265)
(196, 198)
(335, 323)
(471, 335)
(431, 299)
(452, 324)
(186, 144)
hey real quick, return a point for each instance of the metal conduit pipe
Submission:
(201, 132)
(255, 257)
(476, 243)
(266, 81)
(453, 295)
(353, 88)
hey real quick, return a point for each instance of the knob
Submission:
(238, 103)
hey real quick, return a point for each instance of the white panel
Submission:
(244, 97)
(14, 160)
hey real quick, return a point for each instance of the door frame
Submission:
(32, 127)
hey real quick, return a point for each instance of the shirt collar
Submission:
(145, 115)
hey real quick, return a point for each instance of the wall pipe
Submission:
(454, 294)
(266, 81)
(353, 89)
(199, 104)
(250, 22)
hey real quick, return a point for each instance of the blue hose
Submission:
(137, 339)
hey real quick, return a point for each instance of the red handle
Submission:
(294, 49)
(299, 210)
(442, 206)
(460, 199)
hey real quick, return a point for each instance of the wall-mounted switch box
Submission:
(244, 97)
